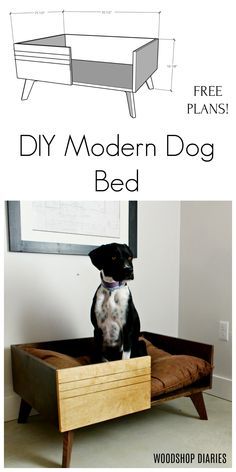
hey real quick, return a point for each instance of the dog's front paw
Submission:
(104, 359)
(126, 355)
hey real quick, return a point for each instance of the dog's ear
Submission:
(131, 253)
(97, 257)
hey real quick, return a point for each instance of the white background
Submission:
(204, 33)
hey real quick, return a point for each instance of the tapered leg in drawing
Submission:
(149, 83)
(28, 85)
(131, 104)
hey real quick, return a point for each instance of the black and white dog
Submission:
(113, 314)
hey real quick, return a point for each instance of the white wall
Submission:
(156, 287)
(45, 299)
(206, 281)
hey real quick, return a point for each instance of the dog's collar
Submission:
(111, 285)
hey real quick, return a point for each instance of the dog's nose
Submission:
(128, 269)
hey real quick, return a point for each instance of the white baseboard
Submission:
(222, 387)
(11, 407)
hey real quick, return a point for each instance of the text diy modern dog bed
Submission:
(112, 62)
(77, 396)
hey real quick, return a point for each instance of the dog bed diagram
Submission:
(108, 56)
(112, 62)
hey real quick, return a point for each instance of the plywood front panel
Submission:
(106, 368)
(103, 379)
(95, 393)
(56, 73)
(44, 63)
(103, 387)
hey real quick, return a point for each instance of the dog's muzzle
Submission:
(128, 273)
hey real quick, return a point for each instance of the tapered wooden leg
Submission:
(24, 412)
(198, 401)
(131, 104)
(28, 85)
(149, 83)
(67, 448)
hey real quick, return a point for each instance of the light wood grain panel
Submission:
(89, 409)
(104, 386)
(106, 368)
(103, 379)
(94, 393)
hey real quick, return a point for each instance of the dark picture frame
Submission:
(16, 244)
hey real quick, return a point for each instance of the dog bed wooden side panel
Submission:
(35, 382)
(145, 63)
(95, 393)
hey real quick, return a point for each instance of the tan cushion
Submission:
(171, 372)
(154, 351)
(58, 360)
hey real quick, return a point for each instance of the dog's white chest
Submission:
(110, 310)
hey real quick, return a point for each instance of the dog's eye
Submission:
(113, 258)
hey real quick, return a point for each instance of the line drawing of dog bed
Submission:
(58, 380)
(119, 63)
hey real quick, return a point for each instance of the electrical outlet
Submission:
(224, 330)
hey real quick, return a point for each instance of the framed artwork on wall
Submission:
(70, 227)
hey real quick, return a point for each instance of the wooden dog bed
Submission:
(57, 380)
(111, 62)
